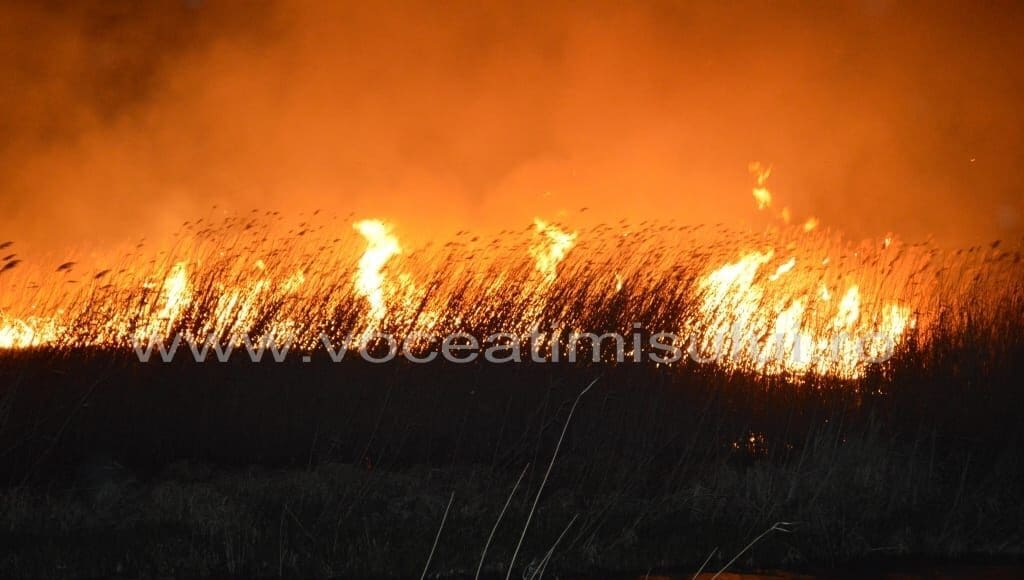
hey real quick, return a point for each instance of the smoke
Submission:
(125, 119)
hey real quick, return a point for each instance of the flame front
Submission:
(786, 301)
(786, 321)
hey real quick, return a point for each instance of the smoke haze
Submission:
(125, 119)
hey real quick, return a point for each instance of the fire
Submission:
(784, 268)
(176, 296)
(552, 250)
(849, 309)
(764, 198)
(786, 301)
(760, 191)
(785, 321)
(33, 331)
(381, 246)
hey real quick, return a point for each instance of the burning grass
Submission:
(790, 300)
(345, 470)
(914, 455)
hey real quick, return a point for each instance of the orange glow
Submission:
(777, 302)
(627, 128)
(121, 121)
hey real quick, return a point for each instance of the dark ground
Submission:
(112, 467)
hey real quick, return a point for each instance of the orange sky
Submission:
(123, 120)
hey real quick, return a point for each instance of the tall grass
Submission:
(238, 278)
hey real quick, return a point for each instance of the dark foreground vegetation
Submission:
(112, 467)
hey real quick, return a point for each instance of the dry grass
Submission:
(237, 278)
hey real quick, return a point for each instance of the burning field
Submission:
(793, 299)
(789, 300)
(788, 357)
(324, 291)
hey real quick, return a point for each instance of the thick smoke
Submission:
(125, 119)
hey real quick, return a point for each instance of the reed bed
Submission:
(766, 291)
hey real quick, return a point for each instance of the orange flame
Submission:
(760, 191)
(381, 246)
(784, 302)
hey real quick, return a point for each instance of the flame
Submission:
(761, 193)
(786, 267)
(823, 292)
(764, 198)
(292, 284)
(175, 298)
(787, 301)
(785, 322)
(381, 246)
(552, 249)
(849, 309)
(33, 331)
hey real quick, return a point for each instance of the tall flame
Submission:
(552, 250)
(381, 246)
